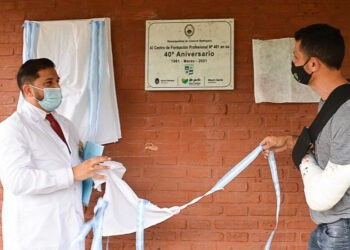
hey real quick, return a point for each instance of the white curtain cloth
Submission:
(273, 80)
(82, 52)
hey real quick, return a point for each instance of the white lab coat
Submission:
(42, 207)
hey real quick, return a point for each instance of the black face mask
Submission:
(300, 74)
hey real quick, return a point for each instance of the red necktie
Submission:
(55, 126)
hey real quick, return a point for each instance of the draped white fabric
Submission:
(82, 52)
(122, 212)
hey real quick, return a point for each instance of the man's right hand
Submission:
(277, 144)
(89, 168)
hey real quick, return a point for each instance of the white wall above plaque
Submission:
(194, 54)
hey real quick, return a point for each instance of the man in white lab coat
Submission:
(41, 173)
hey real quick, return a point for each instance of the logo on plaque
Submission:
(189, 30)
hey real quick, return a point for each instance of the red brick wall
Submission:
(199, 134)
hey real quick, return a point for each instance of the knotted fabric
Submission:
(57, 128)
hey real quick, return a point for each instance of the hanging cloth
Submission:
(127, 213)
(82, 52)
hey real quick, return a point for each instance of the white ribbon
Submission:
(139, 224)
(96, 224)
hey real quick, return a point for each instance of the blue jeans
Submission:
(331, 236)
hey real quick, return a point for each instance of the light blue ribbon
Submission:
(97, 59)
(31, 31)
(96, 223)
(276, 184)
(236, 170)
(227, 178)
(140, 224)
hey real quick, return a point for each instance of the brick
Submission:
(288, 211)
(166, 135)
(8, 72)
(236, 224)
(279, 237)
(233, 97)
(236, 210)
(271, 108)
(202, 135)
(198, 235)
(300, 224)
(204, 245)
(239, 121)
(140, 186)
(202, 122)
(204, 109)
(295, 198)
(206, 97)
(7, 5)
(297, 247)
(168, 97)
(126, 149)
(262, 210)
(7, 110)
(199, 224)
(175, 222)
(270, 198)
(194, 186)
(207, 210)
(165, 148)
(237, 237)
(169, 121)
(137, 134)
(8, 98)
(200, 159)
(269, 224)
(165, 236)
(169, 108)
(164, 172)
(66, 4)
(132, 96)
(11, 16)
(34, 4)
(133, 122)
(199, 172)
(132, 82)
(168, 160)
(238, 108)
(137, 109)
(166, 196)
(265, 172)
(228, 146)
(277, 121)
(234, 197)
(5, 50)
(9, 85)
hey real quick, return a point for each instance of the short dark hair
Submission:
(324, 42)
(28, 72)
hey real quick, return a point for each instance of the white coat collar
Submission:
(36, 114)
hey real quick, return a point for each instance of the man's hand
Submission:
(89, 168)
(277, 144)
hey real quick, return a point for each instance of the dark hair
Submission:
(28, 72)
(324, 42)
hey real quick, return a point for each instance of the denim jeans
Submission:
(331, 236)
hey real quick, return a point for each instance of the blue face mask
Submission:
(52, 98)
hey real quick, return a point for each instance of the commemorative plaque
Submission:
(195, 54)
